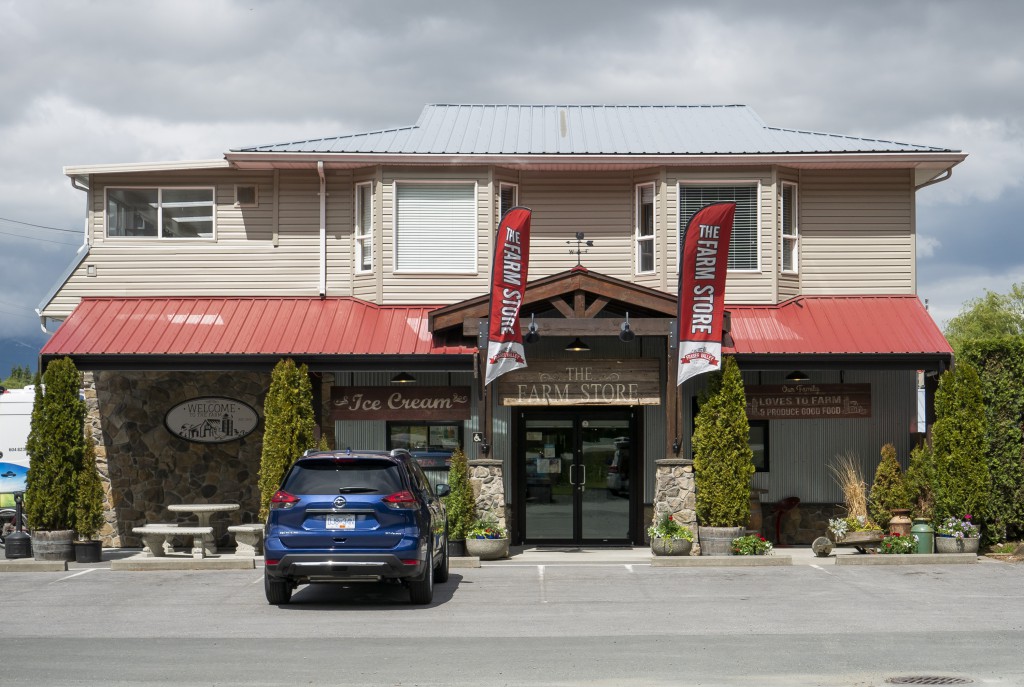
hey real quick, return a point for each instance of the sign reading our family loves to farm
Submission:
(808, 401)
(211, 420)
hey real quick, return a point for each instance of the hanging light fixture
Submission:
(797, 376)
(625, 333)
(533, 333)
(577, 346)
(403, 378)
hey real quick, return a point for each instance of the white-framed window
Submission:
(364, 227)
(644, 231)
(508, 198)
(790, 229)
(744, 245)
(166, 213)
(435, 227)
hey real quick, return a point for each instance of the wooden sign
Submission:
(212, 420)
(392, 403)
(808, 401)
(594, 382)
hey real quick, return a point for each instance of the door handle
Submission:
(571, 475)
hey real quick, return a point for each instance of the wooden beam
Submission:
(596, 307)
(562, 307)
(598, 326)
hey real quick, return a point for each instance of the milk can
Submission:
(925, 535)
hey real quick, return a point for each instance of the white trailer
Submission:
(15, 423)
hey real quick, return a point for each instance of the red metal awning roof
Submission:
(851, 325)
(247, 326)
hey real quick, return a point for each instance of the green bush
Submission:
(722, 459)
(919, 480)
(1000, 363)
(56, 446)
(889, 491)
(289, 427)
(460, 503)
(960, 446)
(89, 498)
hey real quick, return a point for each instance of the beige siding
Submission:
(340, 227)
(857, 232)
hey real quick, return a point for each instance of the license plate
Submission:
(341, 522)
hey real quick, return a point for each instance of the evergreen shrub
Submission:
(889, 491)
(289, 426)
(460, 503)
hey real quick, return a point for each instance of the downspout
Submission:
(323, 228)
(83, 250)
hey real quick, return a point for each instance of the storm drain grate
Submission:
(928, 680)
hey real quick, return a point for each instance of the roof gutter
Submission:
(323, 228)
(79, 183)
(941, 176)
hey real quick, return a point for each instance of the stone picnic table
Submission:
(204, 511)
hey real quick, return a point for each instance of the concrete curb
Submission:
(463, 562)
(136, 564)
(909, 559)
(31, 565)
(719, 561)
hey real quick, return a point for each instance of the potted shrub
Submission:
(88, 509)
(751, 545)
(722, 463)
(487, 540)
(957, 535)
(56, 445)
(669, 538)
(856, 528)
(889, 497)
(460, 503)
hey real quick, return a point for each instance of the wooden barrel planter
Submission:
(53, 545)
(717, 541)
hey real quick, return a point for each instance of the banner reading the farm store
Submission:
(508, 287)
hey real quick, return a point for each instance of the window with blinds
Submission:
(743, 247)
(364, 228)
(644, 228)
(790, 229)
(435, 227)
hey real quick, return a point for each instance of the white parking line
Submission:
(82, 572)
(629, 569)
(818, 567)
(543, 591)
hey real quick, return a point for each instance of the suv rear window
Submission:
(327, 476)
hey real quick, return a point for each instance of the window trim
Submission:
(160, 213)
(756, 183)
(475, 270)
(358, 236)
(515, 200)
(794, 236)
(652, 237)
(255, 195)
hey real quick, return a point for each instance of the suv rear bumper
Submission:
(338, 566)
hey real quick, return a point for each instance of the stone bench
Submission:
(248, 538)
(168, 543)
(154, 536)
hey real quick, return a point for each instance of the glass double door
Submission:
(576, 476)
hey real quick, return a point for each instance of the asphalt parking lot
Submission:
(531, 623)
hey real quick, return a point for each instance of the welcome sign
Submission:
(212, 420)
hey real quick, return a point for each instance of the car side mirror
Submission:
(442, 490)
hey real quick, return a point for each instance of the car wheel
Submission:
(278, 591)
(441, 574)
(421, 589)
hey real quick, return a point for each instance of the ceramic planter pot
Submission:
(944, 544)
(487, 549)
(670, 547)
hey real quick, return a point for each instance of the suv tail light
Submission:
(401, 500)
(282, 500)
(613, 469)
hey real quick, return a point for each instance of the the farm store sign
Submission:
(808, 401)
(211, 420)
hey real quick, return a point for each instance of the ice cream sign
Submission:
(211, 420)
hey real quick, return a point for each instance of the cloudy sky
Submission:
(90, 82)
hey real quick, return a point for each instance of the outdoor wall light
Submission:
(533, 333)
(625, 333)
(577, 346)
(797, 376)
(676, 446)
(403, 378)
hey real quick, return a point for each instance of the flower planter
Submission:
(946, 544)
(717, 541)
(456, 548)
(53, 545)
(487, 549)
(670, 547)
(90, 551)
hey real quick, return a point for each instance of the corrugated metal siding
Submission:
(653, 426)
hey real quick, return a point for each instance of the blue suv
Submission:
(356, 515)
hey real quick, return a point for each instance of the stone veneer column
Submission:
(94, 433)
(674, 492)
(485, 475)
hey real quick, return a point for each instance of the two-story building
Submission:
(368, 257)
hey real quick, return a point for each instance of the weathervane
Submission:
(579, 247)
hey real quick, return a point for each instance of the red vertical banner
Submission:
(704, 261)
(508, 288)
